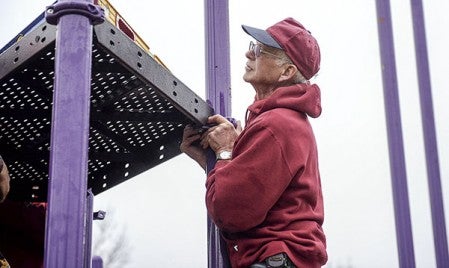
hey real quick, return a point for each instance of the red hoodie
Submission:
(268, 198)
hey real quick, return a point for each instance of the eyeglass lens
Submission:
(255, 48)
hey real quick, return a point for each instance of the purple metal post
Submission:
(218, 94)
(395, 142)
(218, 77)
(97, 262)
(430, 143)
(65, 223)
(88, 235)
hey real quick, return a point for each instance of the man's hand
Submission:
(190, 145)
(222, 135)
(4, 181)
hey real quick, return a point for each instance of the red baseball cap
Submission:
(297, 42)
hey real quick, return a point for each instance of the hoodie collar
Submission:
(304, 98)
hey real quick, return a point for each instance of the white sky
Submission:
(163, 209)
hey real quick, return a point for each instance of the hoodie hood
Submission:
(303, 98)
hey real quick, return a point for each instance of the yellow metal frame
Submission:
(113, 16)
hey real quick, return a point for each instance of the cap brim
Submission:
(262, 36)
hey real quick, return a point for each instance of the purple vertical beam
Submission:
(395, 142)
(97, 262)
(218, 94)
(218, 77)
(88, 236)
(69, 143)
(430, 143)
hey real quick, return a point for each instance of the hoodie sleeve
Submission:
(240, 192)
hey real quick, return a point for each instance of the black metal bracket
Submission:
(99, 215)
(94, 12)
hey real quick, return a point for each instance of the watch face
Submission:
(225, 155)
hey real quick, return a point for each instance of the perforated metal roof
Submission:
(138, 110)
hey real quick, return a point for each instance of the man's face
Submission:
(262, 70)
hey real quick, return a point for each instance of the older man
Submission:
(264, 192)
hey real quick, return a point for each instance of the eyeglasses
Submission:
(257, 50)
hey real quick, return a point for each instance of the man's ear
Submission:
(288, 73)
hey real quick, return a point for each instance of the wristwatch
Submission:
(224, 155)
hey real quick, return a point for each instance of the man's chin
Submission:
(246, 78)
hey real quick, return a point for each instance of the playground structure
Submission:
(127, 116)
(109, 111)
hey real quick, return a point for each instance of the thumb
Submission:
(216, 119)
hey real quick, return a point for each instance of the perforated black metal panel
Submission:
(138, 110)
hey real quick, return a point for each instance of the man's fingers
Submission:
(216, 119)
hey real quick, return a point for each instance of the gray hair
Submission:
(299, 77)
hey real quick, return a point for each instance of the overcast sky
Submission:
(163, 211)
